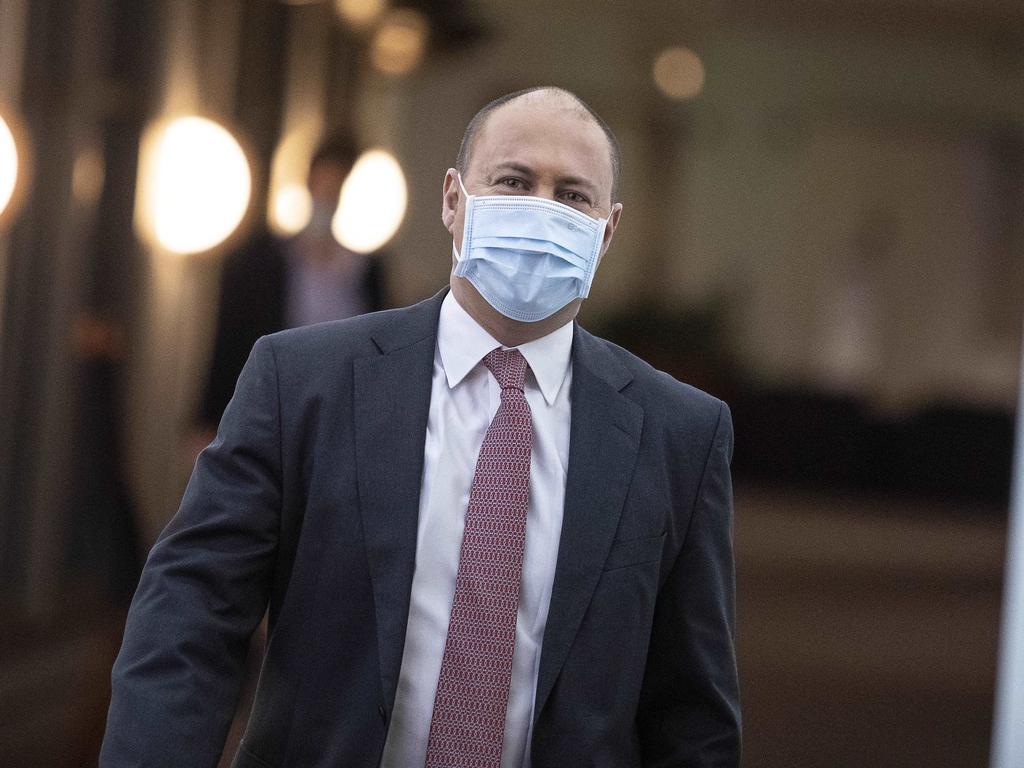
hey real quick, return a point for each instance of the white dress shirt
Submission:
(463, 399)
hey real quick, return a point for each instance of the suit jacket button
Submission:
(383, 712)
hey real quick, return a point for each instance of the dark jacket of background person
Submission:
(253, 294)
(308, 500)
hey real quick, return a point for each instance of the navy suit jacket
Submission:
(307, 501)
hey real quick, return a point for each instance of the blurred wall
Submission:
(820, 168)
(826, 164)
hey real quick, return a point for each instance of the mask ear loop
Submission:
(467, 220)
(461, 185)
(592, 269)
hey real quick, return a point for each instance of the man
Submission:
(487, 538)
(273, 283)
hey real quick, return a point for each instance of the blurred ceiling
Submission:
(996, 20)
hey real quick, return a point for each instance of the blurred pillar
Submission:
(42, 295)
(305, 98)
(12, 47)
(302, 97)
(345, 68)
(103, 550)
(12, 40)
(12, 37)
(197, 66)
(221, 59)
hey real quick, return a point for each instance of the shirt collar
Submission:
(462, 343)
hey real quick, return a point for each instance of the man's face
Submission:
(325, 181)
(538, 145)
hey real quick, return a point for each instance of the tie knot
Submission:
(508, 366)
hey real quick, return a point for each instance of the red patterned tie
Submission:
(468, 724)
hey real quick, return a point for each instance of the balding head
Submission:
(550, 97)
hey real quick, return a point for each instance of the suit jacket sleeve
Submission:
(689, 709)
(203, 591)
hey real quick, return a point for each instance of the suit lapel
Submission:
(603, 443)
(392, 402)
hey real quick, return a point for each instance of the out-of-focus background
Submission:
(823, 225)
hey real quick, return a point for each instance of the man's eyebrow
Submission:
(513, 166)
(574, 181)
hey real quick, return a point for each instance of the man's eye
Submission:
(511, 183)
(575, 197)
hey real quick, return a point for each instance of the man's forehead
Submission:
(545, 99)
(528, 128)
(540, 108)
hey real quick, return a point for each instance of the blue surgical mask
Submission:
(528, 256)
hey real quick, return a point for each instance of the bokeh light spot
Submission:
(293, 207)
(400, 41)
(373, 201)
(8, 165)
(195, 185)
(360, 14)
(679, 73)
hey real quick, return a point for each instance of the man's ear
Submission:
(609, 228)
(450, 194)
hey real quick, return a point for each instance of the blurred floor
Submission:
(55, 683)
(867, 630)
(867, 639)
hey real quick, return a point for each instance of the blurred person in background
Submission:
(272, 283)
(486, 537)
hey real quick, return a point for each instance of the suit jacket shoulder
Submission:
(307, 350)
(661, 395)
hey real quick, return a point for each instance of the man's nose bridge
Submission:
(546, 190)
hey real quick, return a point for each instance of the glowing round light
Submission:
(195, 185)
(293, 207)
(8, 165)
(373, 200)
(360, 14)
(400, 41)
(679, 73)
(288, 202)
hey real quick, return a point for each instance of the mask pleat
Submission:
(527, 256)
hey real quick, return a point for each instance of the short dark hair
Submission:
(480, 118)
(339, 148)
